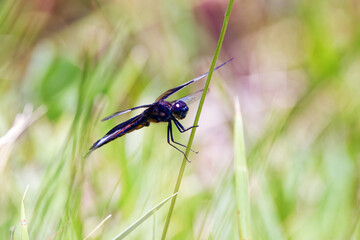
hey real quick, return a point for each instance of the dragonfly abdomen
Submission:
(132, 124)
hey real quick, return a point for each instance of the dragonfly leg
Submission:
(169, 133)
(172, 138)
(181, 127)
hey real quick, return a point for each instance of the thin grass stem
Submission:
(241, 176)
(197, 117)
(24, 230)
(138, 222)
(97, 227)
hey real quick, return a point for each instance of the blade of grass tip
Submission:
(356, 233)
(356, 228)
(12, 230)
(197, 117)
(154, 226)
(241, 176)
(24, 231)
(97, 227)
(137, 223)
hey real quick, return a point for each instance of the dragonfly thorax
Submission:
(179, 109)
(160, 112)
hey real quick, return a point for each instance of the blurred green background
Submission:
(297, 75)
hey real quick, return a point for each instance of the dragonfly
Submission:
(160, 111)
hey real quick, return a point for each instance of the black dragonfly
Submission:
(159, 111)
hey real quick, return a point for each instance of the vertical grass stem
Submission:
(197, 117)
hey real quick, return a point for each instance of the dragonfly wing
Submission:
(125, 111)
(175, 89)
(190, 98)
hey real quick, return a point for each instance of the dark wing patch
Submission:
(125, 111)
(175, 89)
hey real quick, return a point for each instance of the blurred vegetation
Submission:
(296, 72)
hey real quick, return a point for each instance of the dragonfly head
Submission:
(179, 109)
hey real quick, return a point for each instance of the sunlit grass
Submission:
(241, 177)
(24, 229)
(296, 73)
(138, 222)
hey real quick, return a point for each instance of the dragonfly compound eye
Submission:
(179, 109)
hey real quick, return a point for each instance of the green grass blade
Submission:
(241, 177)
(24, 230)
(97, 227)
(197, 117)
(356, 230)
(356, 234)
(137, 223)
